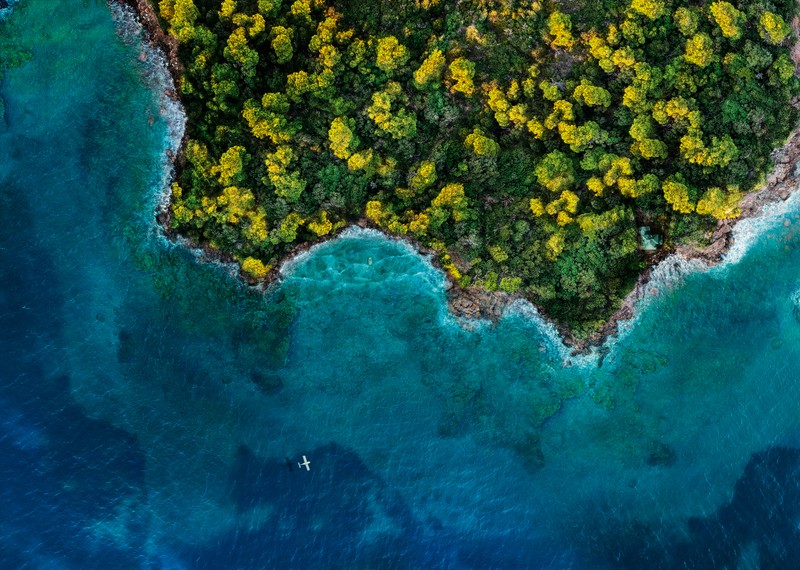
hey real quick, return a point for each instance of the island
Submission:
(546, 150)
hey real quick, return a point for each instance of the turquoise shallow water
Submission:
(148, 402)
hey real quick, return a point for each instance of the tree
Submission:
(687, 20)
(234, 204)
(322, 226)
(631, 188)
(342, 139)
(563, 206)
(562, 111)
(537, 207)
(559, 30)
(481, 144)
(227, 9)
(255, 267)
(773, 28)
(728, 18)
(579, 137)
(391, 54)
(302, 9)
(268, 120)
(699, 50)
(499, 104)
(650, 8)
(555, 172)
(424, 176)
(452, 196)
(230, 166)
(362, 160)
(378, 213)
(419, 224)
(676, 193)
(289, 185)
(400, 125)
(239, 52)
(720, 204)
(282, 44)
(430, 71)
(591, 95)
(462, 71)
(286, 232)
(181, 16)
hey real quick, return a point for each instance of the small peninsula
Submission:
(532, 147)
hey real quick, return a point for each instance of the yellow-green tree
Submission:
(238, 51)
(687, 20)
(579, 137)
(536, 206)
(562, 207)
(227, 9)
(728, 18)
(430, 70)
(649, 8)
(452, 196)
(559, 30)
(461, 72)
(268, 120)
(234, 204)
(343, 140)
(676, 193)
(499, 105)
(391, 54)
(181, 16)
(773, 28)
(287, 230)
(591, 95)
(555, 172)
(400, 124)
(699, 50)
(282, 43)
(289, 185)
(481, 144)
(321, 226)
(719, 203)
(424, 176)
(230, 166)
(255, 267)
(419, 223)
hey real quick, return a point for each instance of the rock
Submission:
(784, 194)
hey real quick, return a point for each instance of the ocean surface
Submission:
(150, 403)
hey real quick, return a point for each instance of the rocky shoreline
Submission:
(778, 186)
(474, 303)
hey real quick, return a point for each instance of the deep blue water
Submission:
(148, 402)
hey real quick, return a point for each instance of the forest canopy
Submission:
(525, 142)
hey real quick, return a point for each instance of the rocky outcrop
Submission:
(156, 36)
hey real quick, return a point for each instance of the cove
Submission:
(148, 401)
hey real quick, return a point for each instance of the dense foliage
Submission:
(524, 142)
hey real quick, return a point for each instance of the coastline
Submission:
(472, 303)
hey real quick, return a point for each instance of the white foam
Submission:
(6, 12)
(747, 232)
(795, 298)
(157, 77)
(349, 233)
